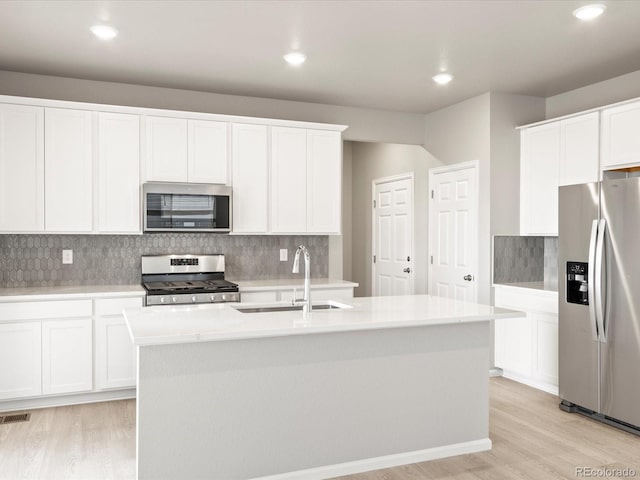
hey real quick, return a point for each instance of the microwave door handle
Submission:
(591, 279)
(599, 289)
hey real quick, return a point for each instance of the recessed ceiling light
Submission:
(443, 78)
(104, 32)
(589, 12)
(295, 58)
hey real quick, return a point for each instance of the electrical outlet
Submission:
(67, 257)
(284, 254)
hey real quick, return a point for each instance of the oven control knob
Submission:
(193, 299)
(161, 299)
(174, 299)
(213, 298)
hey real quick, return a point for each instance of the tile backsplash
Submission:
(518, 259)
(36, 260)
(551, 261)
(525, 259)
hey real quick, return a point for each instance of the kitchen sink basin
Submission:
(289, 308)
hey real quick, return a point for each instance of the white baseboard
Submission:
(387, 461)
(495, 372)
(545, 387)
(62, 400)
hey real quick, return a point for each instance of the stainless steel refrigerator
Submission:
(599, 295)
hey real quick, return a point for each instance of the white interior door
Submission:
(453, 220)
(393, 236)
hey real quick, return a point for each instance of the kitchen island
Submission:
(384, 381)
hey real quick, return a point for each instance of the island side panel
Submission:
(249, 408)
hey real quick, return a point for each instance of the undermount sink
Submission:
(290, 308)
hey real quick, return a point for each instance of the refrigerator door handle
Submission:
(600, 297)
(591, 280)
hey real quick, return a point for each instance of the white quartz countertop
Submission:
(290, 283)
(212, 322)
(69, 293)
(552, 288)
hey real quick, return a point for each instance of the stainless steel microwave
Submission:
(185, 207)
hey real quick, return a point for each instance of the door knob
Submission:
(407, 270)
(468, 278)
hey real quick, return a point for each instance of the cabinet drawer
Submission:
(114, 306)
(258, 297)
(318, 294)
(528, 300)
(43, 310)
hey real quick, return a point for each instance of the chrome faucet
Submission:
(306, 300)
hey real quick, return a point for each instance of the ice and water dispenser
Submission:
(577, 283)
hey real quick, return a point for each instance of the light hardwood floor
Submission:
(532, 439)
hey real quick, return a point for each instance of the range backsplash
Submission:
(36, 260)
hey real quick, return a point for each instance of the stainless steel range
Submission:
(182, 279)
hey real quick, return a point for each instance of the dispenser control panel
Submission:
(577, 283)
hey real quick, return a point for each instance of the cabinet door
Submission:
(250, 194)
(208, 152)
(166, 149)
(621, 136)
(514, 345)
(539, 172)
(68, 159)
(547, 347)
(118, 173)
(21, 168)
(579, 149)
(115, 354)
(67, 358)
(324, 181)
(288, 180)
(20, 357)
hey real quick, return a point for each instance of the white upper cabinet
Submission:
(166, 149)
(579, 149)
(288, 180)
(180, 150)
(21, 168)
(118, 173)
(208, 152)
(621, 136)
(68, 170)
(306, 180)
(250, 178)
(324, 181)
(539, 179)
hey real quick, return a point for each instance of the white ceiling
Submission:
(378, 54)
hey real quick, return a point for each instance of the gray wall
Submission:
(598, 94)
(36, 260)
(372, 161)
(340, 245)
(506, 112)
(364, 124)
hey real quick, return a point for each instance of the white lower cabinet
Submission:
(47, 348)
(67, 356)
(527, 348)
(21, 360)
(115, 352)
